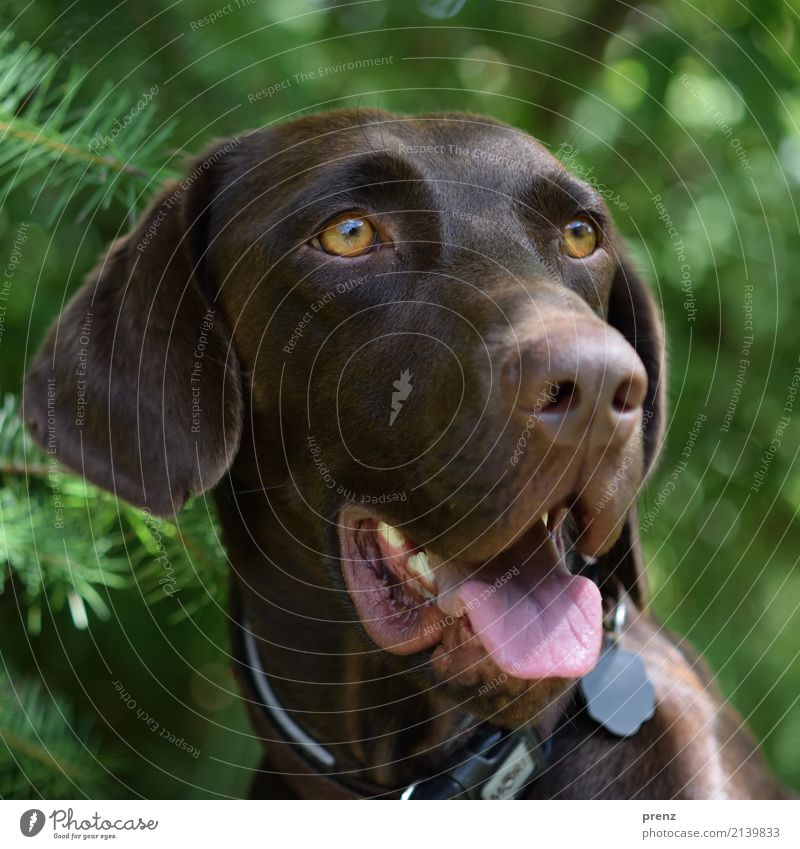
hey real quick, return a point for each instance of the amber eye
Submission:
(347, 235)
(579, 238)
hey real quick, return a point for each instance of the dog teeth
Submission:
(419, 566)
(394, 537)
(545, 517)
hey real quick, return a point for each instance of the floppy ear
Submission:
(632, 310)
(137, 386)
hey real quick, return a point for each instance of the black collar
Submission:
(493, 764)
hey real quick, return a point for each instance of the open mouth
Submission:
(522, 610)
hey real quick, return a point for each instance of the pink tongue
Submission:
(533, 625)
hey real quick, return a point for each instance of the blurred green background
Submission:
(686, 117)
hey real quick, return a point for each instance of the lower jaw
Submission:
(510, 702)
(467, 680)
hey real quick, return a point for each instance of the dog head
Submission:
(418, 341)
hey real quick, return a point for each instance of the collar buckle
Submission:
(498, 765)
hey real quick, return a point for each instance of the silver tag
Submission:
(512, 775)
(619, 695)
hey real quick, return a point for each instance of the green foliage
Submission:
(67, 543)
(46, 748)
(61, 149)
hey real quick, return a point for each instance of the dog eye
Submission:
(579, 238)
(347, 235)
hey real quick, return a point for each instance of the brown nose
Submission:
(580, 376)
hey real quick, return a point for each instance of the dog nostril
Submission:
(560, 399)
(626, 398)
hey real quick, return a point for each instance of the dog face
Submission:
(416, 342)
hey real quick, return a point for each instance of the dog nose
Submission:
(578, 379)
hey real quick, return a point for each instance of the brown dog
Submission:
(427, 386)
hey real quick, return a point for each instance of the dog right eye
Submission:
(579, 238)
(347, 235)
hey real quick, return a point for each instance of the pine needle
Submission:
(68, 544)
(46, 748)
(104, 149)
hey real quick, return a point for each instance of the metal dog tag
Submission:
(619, 695)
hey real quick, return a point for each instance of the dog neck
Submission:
(375, 726)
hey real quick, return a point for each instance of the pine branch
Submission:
(46, 748)
(68, 544)
(106, 145)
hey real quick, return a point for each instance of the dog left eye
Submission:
(579, 238)
(347, 235)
